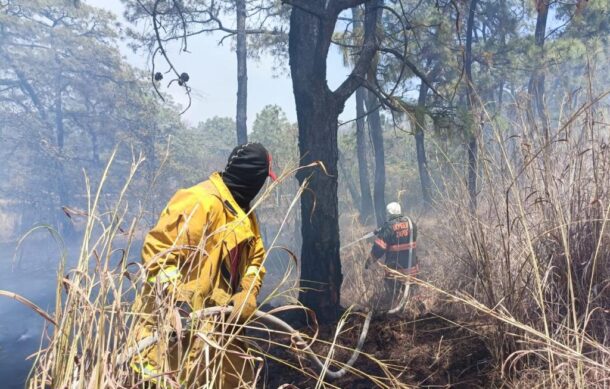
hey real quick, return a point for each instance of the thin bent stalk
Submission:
(271, 320)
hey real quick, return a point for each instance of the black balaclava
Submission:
(246, 172)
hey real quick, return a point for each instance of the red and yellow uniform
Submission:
(397, 240)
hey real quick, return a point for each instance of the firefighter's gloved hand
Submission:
(244, 304)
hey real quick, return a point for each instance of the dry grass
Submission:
(533, 261)
(90, 334)
(535, 256)
(362, 288)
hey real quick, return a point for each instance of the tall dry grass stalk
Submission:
(89, 338)
(361, 287)
(535, 255)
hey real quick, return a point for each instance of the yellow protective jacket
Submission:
(202, 246)
(195, 242)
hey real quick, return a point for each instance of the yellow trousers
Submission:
(202, 358)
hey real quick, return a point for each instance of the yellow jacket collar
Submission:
(226, 196)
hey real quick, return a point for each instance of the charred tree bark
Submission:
(321, 277)
(420, 126)
(312, 24)
(241, 50)
(472, 136)
(366, 199)
(374, 120)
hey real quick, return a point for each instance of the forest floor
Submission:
(423, 349)
(433, 343)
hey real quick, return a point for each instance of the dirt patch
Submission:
(421, 350)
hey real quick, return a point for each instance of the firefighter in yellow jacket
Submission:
(205, 250)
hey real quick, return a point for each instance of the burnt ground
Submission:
(422, 350)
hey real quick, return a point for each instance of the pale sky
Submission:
(212, 69)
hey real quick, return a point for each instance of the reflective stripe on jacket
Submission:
(396, 240)
(200, 250)
(190, 247)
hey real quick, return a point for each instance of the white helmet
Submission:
(393, 209)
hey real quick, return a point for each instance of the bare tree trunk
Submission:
(420, 126)
(318, 109)
(472, 136)
(317, 114)
(536, 90)
(366, 199)
(321, 275)
(241, 51)
(374, 120)
(536, 87)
